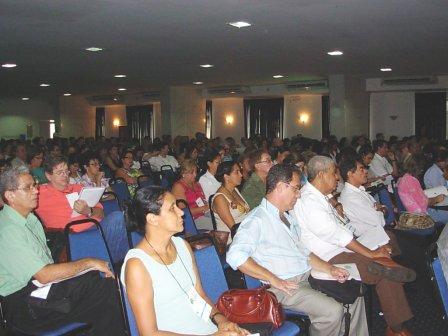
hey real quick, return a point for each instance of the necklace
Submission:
(171, 273)
(235, 203)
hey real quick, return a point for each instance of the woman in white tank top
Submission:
(228, 204)
(160, 275)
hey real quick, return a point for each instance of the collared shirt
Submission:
(379, 167)
(54, 209)
(158, 161)
(87, 182)
(322, 232)
(270, 243)
(442, 250)
(369, 223)
(209, 184)
(24, 250)
(253, 190)
(434, 177)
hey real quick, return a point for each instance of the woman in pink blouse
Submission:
(412, 195)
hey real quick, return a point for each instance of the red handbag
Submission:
(251, 306)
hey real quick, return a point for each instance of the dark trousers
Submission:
(87, 298)
(390, 294)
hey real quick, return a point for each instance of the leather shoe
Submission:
(402, 332)
(389, 269)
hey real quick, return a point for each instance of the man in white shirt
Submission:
(434, 175)
(380, 166)
(268, 246)
(330, 237)
(163, 159)
(366, 215)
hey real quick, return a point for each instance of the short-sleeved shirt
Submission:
(254, 190)
(24, 250)
(54, 209)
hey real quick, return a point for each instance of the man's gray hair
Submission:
(318, 164)
(9, 179)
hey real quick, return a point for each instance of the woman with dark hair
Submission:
(127, 173)
(161, 277)
(35, 157)
(73, 168)
(112, 160)
(228, 204)
(412, 195)
(208, 181)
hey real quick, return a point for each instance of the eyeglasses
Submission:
(296, 188)
(62, 173)
(28, 188)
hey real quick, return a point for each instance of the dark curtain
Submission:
(100, 121)
(430, 114)
(263, 117)
(208, 119)
(138, 120)
(325, 116)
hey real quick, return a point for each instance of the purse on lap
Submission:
(249, 306)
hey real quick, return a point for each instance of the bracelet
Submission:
(91, 213)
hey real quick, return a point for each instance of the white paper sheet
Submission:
(433, 192)
(351, 268)
(91, 195)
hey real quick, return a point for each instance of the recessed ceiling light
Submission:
(115, 99)
(240, 24)
(307, 87)
(94, 49)
(232, 92)
(386, 69)
(198, 83)
(335, 53)
(9, 65)
(278, 76)
(25, 98)
(67, 94)
(206, 65)
(120, 76)
(44, 85)
(122, 89)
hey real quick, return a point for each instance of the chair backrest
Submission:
(134, 238)
(167, 176)
(211, 272)
(437, 277)
(386, 200)
(86, 244)
(120, 188)
(145, 181)
(189, 224)
(251, 282)
(111, 205)
(115, 234)
(212, 213)
(132, 324)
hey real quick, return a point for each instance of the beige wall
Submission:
(77, 117)
(16, 114)
(307, 105)
(114, 112)
(223, 107)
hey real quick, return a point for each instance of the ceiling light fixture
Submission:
(198, 83)
(44, 85)
(206, 65)
(94, 49)
(232, 92)
(240, 24)
(278, 76)
(9, 65)
(120, 76)
(335, 53)
(25, 98)
(386, 69)
(122, 89)
(67, 94)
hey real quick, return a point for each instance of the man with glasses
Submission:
(254, 188)
(25, 257)
(331, 237)
(268, 246)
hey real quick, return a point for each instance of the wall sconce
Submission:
(393, 117)
(229, 120)
(116, 122)
(303, 118)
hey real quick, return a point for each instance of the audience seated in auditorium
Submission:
(380, 165)
(186, 188)
(160, 275)
(412, 195)
(435, 175)
(228, 204)
(163, 159)
(366, 215)
(88, 298)
(208, 181)
(254, 188)
(329, 237)
(268, 246)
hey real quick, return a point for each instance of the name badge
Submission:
(200, 202)
(200, 307)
